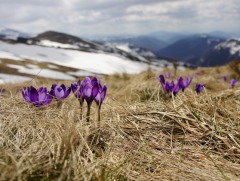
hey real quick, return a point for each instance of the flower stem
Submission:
(81, 109)
(88, 111)
(99, 115)
(59, 103)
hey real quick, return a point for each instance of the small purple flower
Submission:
(100, 97)
(233, 82)
(38, 97)
(60, 92)
(184, 83)
(168, 75)
(169, 86)
(90, 89)
(161, 79)
(199, 88)
(224, 78)
(101, 94)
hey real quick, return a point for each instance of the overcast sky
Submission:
(109, 17)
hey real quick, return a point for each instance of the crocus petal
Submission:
(180, 83)
(67, 92)
(104, 91)
(86, 81)
(54, 85)
(59, 92)
(87, 91)
(33, 94)
(74, 87)
(161, 79)
(42, 96)
(168, 75)
(176, 89)
(95, 90)
(98, 99)
(26, 96)
(63, 87)
(47, 100)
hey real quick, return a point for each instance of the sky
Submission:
(118, 17)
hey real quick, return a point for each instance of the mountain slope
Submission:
(10, 34)
(70, 52)
(220, 54)
(189, 48)
(146, 42)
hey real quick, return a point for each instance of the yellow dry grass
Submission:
(144, 134)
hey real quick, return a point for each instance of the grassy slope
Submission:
(144, 134)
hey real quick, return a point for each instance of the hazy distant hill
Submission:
(190, 47)
(220, 54)
(147, 42)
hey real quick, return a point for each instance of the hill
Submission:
(66, 57)
(146, 42)
(144, 133)
(189, 47)
(221, 53)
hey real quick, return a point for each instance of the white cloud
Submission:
(82, 17)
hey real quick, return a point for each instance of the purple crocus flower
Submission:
(101, 94)
(100, 98)
(38, 97)
(90, 89)
(60, 92)
(169, 86)
(168, 75)
(199, 88)
(224, 78)
(233, 82)
(75, 88)
(184, 83)
(161, 79)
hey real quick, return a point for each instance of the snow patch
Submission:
(8, 55)
(8, 78)
(49, 43)
(124, 47)
(80, 73)
(232, 45)
(101, 63)
(47, 73)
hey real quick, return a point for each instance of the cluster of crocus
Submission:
(88, 90)
(233, 82)
(181, 84)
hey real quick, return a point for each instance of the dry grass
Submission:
(144, 133)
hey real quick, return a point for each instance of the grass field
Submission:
(144, 134)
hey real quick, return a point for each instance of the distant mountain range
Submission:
(146, 42)
(220, 54)
(203, 50)
(158, 49)
(190, 47)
